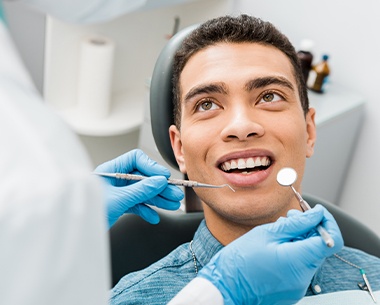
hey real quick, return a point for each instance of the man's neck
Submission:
(226, 230)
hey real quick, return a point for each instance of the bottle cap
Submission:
(307, 45)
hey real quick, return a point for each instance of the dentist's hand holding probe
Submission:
(124, 196)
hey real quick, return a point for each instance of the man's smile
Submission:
(245, 165)
(246, 168)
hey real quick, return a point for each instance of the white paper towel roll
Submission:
(95, 77)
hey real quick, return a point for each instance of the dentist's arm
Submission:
(256, 269)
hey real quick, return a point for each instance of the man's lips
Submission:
(245, 164)
(246, 169)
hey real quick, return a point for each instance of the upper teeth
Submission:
(245, 163)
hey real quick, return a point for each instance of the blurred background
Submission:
(346, 169)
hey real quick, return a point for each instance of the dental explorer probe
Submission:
(286, 177)
(180, 182)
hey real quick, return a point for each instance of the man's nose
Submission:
(241, 124)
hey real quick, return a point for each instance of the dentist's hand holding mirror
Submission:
(274, 263)
(286, 177)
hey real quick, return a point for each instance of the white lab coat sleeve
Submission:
(85, 11)
(53, 236)
(198, 292)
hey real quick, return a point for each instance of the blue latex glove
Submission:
(273, 263)
(124, 196)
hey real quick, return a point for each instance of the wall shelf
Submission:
(126, 115)
(339, 116)
(139, 37)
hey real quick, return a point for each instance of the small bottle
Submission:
(305, 57)
(318, 75)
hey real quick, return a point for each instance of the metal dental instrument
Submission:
(286, 177)
(366, 286)
(185, 183)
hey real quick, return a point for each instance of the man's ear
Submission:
(175, 140)
(311, 130)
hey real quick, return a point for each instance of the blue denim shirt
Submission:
(160, 282)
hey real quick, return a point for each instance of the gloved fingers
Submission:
(293, 213)
(168, 198)
(141, 191)
(107, 167)
(163, 203)
(137, 160)
(331, 226)
(114, 181)
(149, 167)
(295, 225)
(146, 213)
(110, 167)
(172, 192)
(312, 247)
(119, 207)
(328, 222)
(131, 161)
(311, 251)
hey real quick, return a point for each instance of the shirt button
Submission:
(317, 289)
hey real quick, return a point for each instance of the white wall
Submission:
(346, 29)
(27, 28)
(139, 37)
(349, 31)
(144, 31)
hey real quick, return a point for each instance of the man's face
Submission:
(241, 122)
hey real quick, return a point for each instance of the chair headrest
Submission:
(161, 96)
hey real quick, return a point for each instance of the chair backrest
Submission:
(135, 244)
(161, 96)
(355, 233)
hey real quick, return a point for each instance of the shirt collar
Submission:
(205, 245)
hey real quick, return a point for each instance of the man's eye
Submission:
(271, 97)
(207, 105)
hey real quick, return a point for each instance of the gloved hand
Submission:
(125, 196)
(273, 263)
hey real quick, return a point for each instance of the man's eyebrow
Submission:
(261, 82)
(207, 88)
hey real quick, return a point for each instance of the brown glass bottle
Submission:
(306, 57)
(318, 75)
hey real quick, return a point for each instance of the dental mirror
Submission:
(286, 176)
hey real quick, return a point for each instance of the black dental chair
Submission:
(136, 244)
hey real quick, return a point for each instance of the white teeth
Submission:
(241, 164)
(257, 162)
(245, 163)
(250, 163)
(233, 164)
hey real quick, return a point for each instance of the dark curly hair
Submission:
(231, 29)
